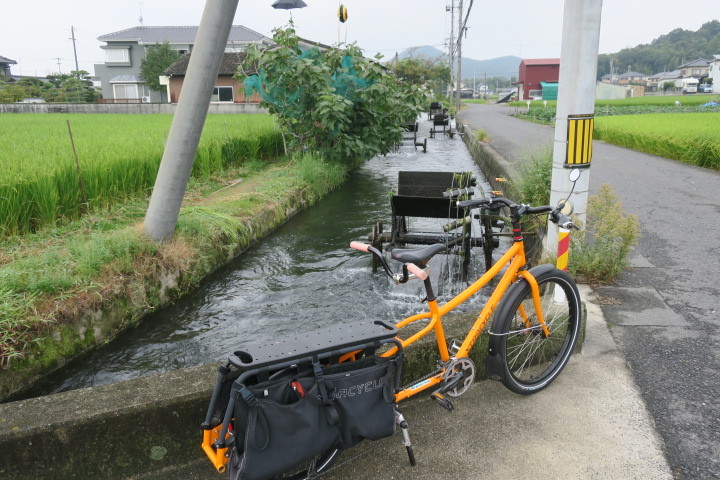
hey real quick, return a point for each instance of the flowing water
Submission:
(299, 278)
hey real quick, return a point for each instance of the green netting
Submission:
(344, 82)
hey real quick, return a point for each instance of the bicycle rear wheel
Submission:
(526, 358)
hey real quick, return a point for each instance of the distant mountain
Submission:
(505, 67)
(665, 53)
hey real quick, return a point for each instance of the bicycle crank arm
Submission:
(442, 400)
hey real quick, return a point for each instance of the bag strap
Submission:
(257, 414)
(317, 371)
(330, 412)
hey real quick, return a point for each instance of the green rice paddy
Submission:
(118, 157)
(689, 137)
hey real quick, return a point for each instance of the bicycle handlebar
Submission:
(409, 271)
(359, 246)
(496, 203)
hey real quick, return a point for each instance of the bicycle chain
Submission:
(422, 379)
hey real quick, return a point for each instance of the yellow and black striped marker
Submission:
(579, 140)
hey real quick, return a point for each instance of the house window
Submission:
(222, 94)
(696, 71)
(128, 90)
(117, 55)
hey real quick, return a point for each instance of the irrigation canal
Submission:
(299, 278)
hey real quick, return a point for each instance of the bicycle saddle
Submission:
(418, 256)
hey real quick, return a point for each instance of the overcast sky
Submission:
(36, 34)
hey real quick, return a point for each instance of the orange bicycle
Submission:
(536, 323)
(536, 314)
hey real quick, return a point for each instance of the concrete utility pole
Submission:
(72, 37)
(189, 119)
(459, 57)
(575, 107)
(451, 44)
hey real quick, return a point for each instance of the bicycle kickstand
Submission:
(400, 421)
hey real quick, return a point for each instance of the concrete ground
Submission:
(590, 423)
(663, 310)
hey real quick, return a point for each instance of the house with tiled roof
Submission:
(697, 68)
(5, 66)
(634, 78)
(124, 51)
(227, 88)
(655, 82)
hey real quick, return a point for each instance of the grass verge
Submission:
(58, 283)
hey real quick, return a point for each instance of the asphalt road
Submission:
(663, 311)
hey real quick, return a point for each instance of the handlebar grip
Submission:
(537, 210)
(472, 203)
(417, 271)
(564, 222)
(359, 246)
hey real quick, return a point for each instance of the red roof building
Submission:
(532, 72)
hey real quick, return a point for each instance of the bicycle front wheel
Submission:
(523, 355)
(313, 467)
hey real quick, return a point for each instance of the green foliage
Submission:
(119, 157)
(602, 257)
(433, 73)
(482, 136)
(535, 178)
(104, 253)
(73, 87)
(157, 58)
(319, 176)
(336, 102)
(666, 52)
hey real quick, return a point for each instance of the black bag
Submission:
(283, 422)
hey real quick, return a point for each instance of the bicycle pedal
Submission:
(442, 400)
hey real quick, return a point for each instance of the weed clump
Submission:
(601, 254)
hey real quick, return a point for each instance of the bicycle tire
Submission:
(313, 467)
(525, 360)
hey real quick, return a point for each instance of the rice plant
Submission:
(688, 137)
(118, 157)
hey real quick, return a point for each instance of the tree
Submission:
(431, 72)
(335, 102)
(157, 58)
(73, 87)
(60, 87)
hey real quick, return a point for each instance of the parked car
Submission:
(705, 88)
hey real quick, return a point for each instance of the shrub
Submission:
(601, 254)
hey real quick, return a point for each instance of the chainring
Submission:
(462, 365)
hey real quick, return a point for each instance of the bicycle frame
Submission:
(515, 260)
